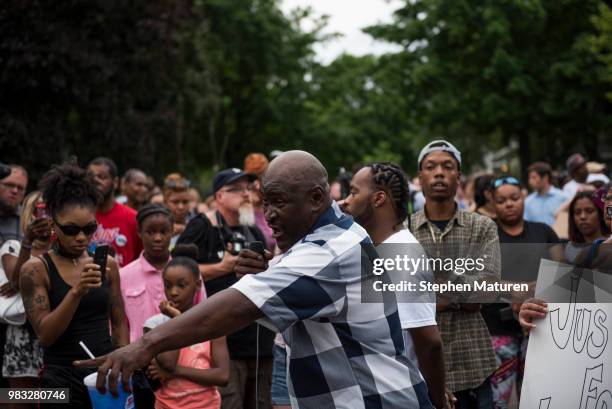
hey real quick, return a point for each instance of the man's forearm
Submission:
(221, 314)
(428, 348)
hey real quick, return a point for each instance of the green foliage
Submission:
(195, 85)
(485, 72)
(602, 43)
(153, 84)
(358, 113)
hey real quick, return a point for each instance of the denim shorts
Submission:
(280, 394)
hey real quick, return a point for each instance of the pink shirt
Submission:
(184, 394)
(142, 289)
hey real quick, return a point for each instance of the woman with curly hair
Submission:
(66, 297)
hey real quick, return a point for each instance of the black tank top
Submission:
(90, 322)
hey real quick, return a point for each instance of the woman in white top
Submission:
(22, 353)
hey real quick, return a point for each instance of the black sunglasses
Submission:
(73, 229)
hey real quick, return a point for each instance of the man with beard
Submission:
(220, 235)
(378, 200)
(532, 242)
(12, 191)
(342, 353)
(445, 231)
(117, 224)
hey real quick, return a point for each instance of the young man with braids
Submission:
(378, 200)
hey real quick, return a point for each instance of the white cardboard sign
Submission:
(569, 357)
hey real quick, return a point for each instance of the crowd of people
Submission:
(209, 322)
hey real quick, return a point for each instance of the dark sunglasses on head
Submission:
(178, 184)
(509, 180)
(73, 229)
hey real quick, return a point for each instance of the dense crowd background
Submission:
(173, 246)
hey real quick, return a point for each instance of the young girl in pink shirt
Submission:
(189, 377)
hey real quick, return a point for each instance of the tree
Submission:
(81, 79)
(484, 73)
(357, 113)
(165, 86)
(602, 42)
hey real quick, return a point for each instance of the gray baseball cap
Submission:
(439, 145)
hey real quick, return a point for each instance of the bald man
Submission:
(342, 353)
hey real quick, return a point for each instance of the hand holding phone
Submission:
(100, 257)
(40, 211)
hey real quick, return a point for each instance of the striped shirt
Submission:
(341, 353)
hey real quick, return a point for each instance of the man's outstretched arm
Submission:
(221, 314)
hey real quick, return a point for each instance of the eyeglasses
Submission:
(237, 189)
(509, 180)
(11, 186)
(73, 229)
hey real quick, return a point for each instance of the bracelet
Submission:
(26, 246)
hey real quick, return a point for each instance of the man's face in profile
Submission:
(359, 202)
(288, 211)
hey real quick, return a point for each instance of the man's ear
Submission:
(115, 183)
(318, 198)
(421, 179)
(379, 198)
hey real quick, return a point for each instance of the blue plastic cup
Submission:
(125, 400)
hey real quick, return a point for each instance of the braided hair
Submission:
(68, 184)
(149, 210)
(393, 180)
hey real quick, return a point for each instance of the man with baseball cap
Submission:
(577, 169)
(220, 235)
(445, 231)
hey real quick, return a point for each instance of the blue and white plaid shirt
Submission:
(341, 353)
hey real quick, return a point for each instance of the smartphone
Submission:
(40, 211)
(100, 258)
(609, 212)
(257, 247)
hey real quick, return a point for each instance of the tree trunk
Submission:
(524, 154)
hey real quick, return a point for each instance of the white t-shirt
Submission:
(572, 187)
(156, 321)
(11, 247)
(414, 315)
